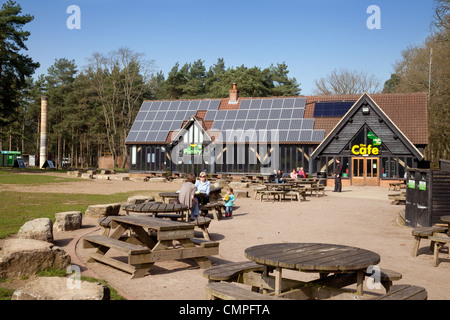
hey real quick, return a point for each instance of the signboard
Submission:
(412, 184)
(369, 149)
(194, 149)
(423, 185)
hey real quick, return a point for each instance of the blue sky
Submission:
(312, 37)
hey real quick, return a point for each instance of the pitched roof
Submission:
(407, 110)
(365, 99)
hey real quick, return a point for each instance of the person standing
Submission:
(229, 202)
(338, 176)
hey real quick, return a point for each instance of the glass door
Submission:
(365, 171)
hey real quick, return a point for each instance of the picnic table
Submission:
(438, 240)
(155, 208)
(313, 257)
(152, 240)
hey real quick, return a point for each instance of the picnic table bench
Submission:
(424, 233)
(147, 240)
(405, 292)
(316, 189)
(275, 193)
(215, 207)
(230, 291)
(439, 240)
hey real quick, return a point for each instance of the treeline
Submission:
(91, 109)
(426, 68)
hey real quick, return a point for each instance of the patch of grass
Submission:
(19, 207)
(13, 177)
(6, 294)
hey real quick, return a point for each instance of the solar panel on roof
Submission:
(272, 124)
(141, 116)
(170, 115)
(184, 105)
(308, 124)
(332, 108)
(174, 105)
(318, 135)
(214, 105)
(305, 135)
(239, 124)
(210, 115)
(228, 125)
(203, 105)
(293, 136)
(194, 105)
(146, 106)
(156, 125)
(296, 124)
(277, 104)
(151, 115)
(250, 124)
(300, 103)
(288, 103)
(264, 114)
(242, 114)
(286, 113)
(261, 124)
(160, 115)
(165, 126)
(180, 115)
(141, 136)
(131, 136)
(155, 105)
(146, 126)
(284, 124)
(175, 125)
(232, 114)
(255, 104)
(164, 105)
(136, 126)
(221, 115)
(253, 114)
(283, 135)
(275, 114)
(266, 103)
(245, 104)
(298, 113)
(162, 136)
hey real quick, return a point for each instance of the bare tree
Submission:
(344, 81)
(121, 80)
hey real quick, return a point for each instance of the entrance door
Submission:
(365, 171)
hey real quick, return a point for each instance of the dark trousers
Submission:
(203, 201)
(337, 183)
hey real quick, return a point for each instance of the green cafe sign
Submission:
(193, 149)
(375, 140)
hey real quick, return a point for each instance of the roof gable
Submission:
(353, 121)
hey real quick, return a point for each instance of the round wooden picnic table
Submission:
(313, 257)
(156, 207)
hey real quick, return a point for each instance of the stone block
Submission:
(66, 221)
(102, 210)
(26, 257)
(37, 229)
(58, 288)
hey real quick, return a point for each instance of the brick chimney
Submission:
(234, 95)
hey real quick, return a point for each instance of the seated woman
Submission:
(187, 195)
(203, 186)
(294, 174)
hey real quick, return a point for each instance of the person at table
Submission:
(338, 176)
(187, 195)
(279, 177)
(301, 173)
(294, 174)
(203, 186)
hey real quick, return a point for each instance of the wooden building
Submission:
(377, 137)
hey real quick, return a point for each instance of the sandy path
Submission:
(360, 216)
